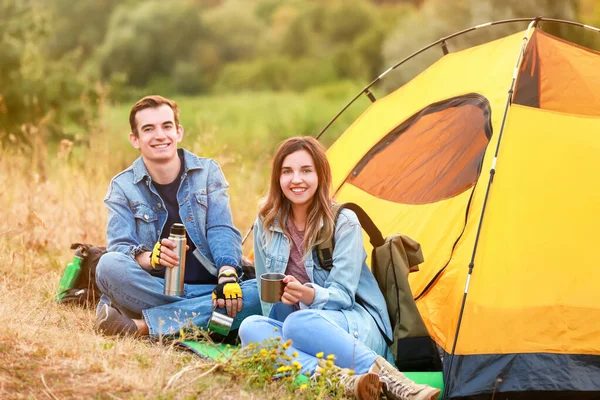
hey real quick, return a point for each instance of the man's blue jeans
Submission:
(311, 332)
(136, 293)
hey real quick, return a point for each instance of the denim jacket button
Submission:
(159, 206)
(356, 335)
(146, 217)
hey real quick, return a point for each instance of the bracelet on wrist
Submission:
(228, 273)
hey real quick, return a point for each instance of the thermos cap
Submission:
(177, 229)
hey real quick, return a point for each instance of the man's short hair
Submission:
(153, 101)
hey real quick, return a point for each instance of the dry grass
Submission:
(52, 352)
(52, 197)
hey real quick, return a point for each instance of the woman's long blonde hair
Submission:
(276, 205)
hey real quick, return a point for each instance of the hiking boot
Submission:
(362, 387)
(397, 386)
(111, 322)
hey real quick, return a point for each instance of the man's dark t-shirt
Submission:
(195, 273)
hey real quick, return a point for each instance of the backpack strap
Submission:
(375, 236)
(325, 248)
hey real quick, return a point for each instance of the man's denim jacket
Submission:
(137, 214)
(337, 289)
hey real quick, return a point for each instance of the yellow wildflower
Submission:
(295, 354)
(263, 352)
(284, 368)
(331, 357)
(329, 363)
(302, 387)
(297, 365)
(320, 355)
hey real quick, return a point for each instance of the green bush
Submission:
(276, 73)
(348, 64)
(270, 73)
(39, 96)
(144, 40)
(188, 78)
(348, 20)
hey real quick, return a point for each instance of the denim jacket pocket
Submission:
(145, 223)
(275, 263)
(199, 210)
(201, 198)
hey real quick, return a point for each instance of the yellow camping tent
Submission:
(419, 161)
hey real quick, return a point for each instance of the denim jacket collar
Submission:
(276, 226)
(190, 162)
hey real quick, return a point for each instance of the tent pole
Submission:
(443, 40)
(533, 24)
(444, 49)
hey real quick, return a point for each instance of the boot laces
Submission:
(399, 388)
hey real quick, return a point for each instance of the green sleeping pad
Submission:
(217, 352)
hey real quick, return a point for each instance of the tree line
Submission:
(61, 58)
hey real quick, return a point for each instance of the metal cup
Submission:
(271, 287)
(220, 323)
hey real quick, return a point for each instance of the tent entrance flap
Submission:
(434, 155)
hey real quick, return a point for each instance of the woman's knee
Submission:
(298, 323)
(255, 328)
(302, 326)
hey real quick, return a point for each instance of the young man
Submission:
(166, 185)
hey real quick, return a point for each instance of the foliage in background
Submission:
(198, 46)
(40, 95)
(145, 41)
(58, 56)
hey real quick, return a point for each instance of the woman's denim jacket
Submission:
(137, 214)
(337, 289)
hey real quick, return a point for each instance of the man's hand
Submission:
(163, 255)
(228, 292)
(295, 292)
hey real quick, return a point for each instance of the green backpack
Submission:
(391, 261)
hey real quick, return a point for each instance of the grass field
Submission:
(52, 200)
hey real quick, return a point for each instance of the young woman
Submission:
(318, 311)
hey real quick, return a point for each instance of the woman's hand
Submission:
(295, 292)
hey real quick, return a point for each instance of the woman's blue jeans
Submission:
(137, 294)
(311, 332)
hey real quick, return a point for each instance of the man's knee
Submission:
(113, 267)
(249, 286)
(250, 292)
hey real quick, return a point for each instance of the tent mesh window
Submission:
(559, 76)
(435, 154)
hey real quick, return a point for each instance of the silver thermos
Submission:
(174, 277)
